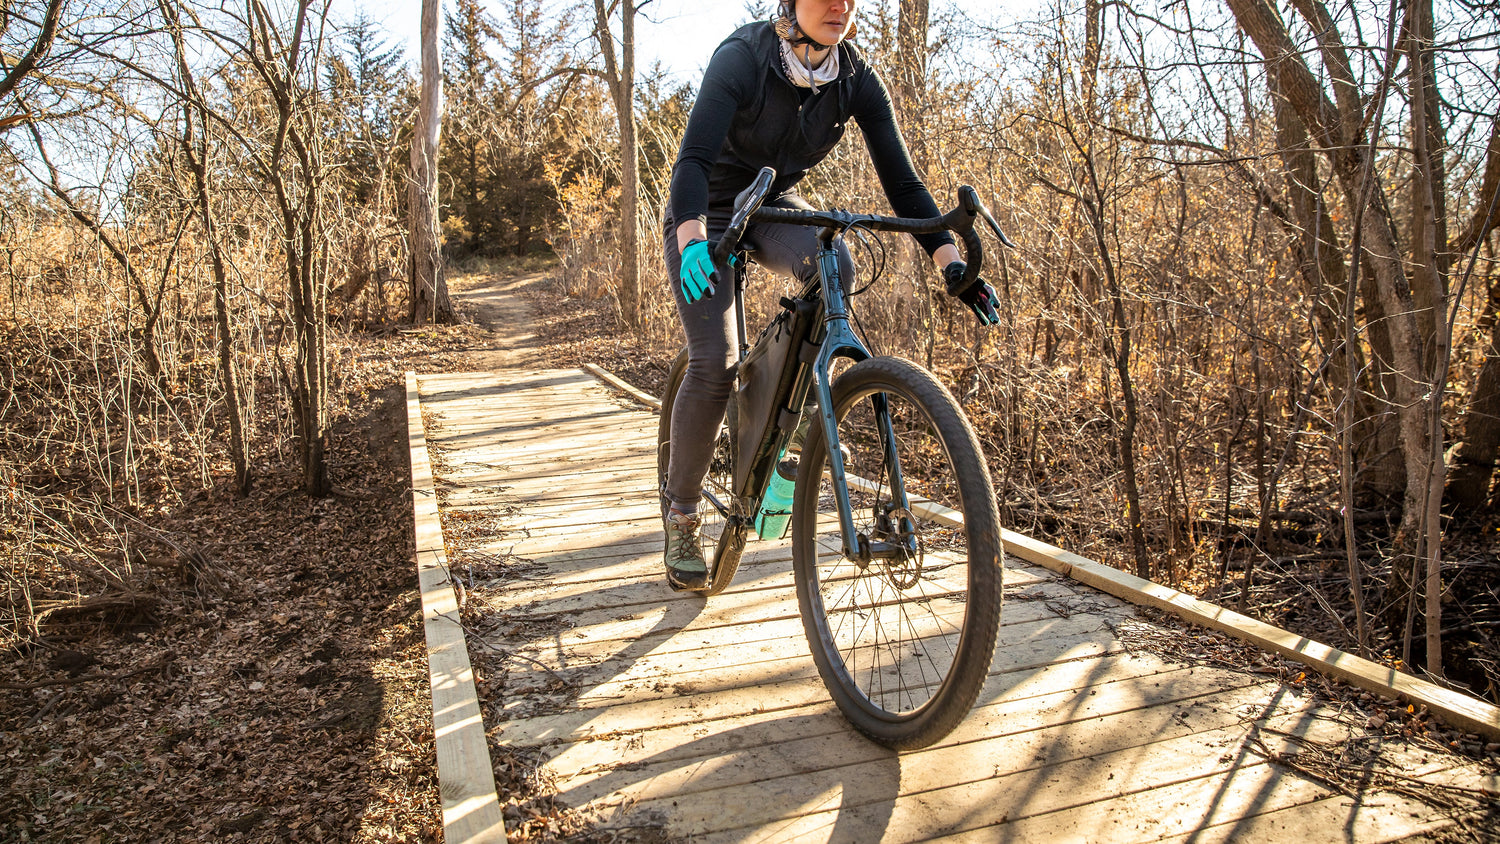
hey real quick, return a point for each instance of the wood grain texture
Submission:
(471, 809)
(666, 716)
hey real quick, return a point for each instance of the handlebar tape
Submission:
(749, 202)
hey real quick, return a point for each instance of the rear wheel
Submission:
(903, 637)
(723, 532)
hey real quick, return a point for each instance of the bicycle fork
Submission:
(839, 340)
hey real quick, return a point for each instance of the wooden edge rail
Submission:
(620, 384)
(1453, 707)
(466, 778)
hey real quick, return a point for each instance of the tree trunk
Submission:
(294, 169)
(1474, 460)
(620, 76)
(1118, 335)
(1474, 463)
(239, 443)
(1341, 136)
(429, 290)
(1324, 271)
(1430, 266)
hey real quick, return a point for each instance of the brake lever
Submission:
(746, 204)
(995, 227)
(975, 207)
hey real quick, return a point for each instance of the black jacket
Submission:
(749, 115)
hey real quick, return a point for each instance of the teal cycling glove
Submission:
(698, 274)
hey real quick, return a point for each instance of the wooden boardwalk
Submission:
(686, 719)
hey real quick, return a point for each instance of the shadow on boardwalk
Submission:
(705, 719)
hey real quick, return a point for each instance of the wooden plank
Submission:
(471, 808)
(1454, 707)
(557, 437)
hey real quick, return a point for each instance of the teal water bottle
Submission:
(776, 506)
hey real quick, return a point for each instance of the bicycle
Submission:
(896, 547)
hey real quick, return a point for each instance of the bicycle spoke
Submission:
(904, 627)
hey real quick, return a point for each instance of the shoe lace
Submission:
(685, 530)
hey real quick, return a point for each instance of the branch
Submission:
(162, 662)
(1059, 189)
(38, 50)
(570, 72)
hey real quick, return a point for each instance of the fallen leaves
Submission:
(278, 687)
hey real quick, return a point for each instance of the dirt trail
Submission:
(500, 309)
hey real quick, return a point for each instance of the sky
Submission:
(682, 34)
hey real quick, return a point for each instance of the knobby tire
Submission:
(903, 644)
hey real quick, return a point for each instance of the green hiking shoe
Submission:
(686, 568)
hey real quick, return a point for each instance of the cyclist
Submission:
(778, 94)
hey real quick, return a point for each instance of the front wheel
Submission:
(722, 532)
(904, 639)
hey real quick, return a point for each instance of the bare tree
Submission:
(429, 290)
(294, 168)
(195, 151)
(619, 75)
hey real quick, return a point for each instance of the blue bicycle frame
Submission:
(839, 340)
(835, 339)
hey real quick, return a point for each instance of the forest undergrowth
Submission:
(1297, 579)
(197, 665)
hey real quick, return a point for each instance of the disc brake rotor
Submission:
(905, 571)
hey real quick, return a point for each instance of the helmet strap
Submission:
(785, 24)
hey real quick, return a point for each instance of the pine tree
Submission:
(469, 79)
(367, 80)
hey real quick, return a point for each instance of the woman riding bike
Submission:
(775, 94)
